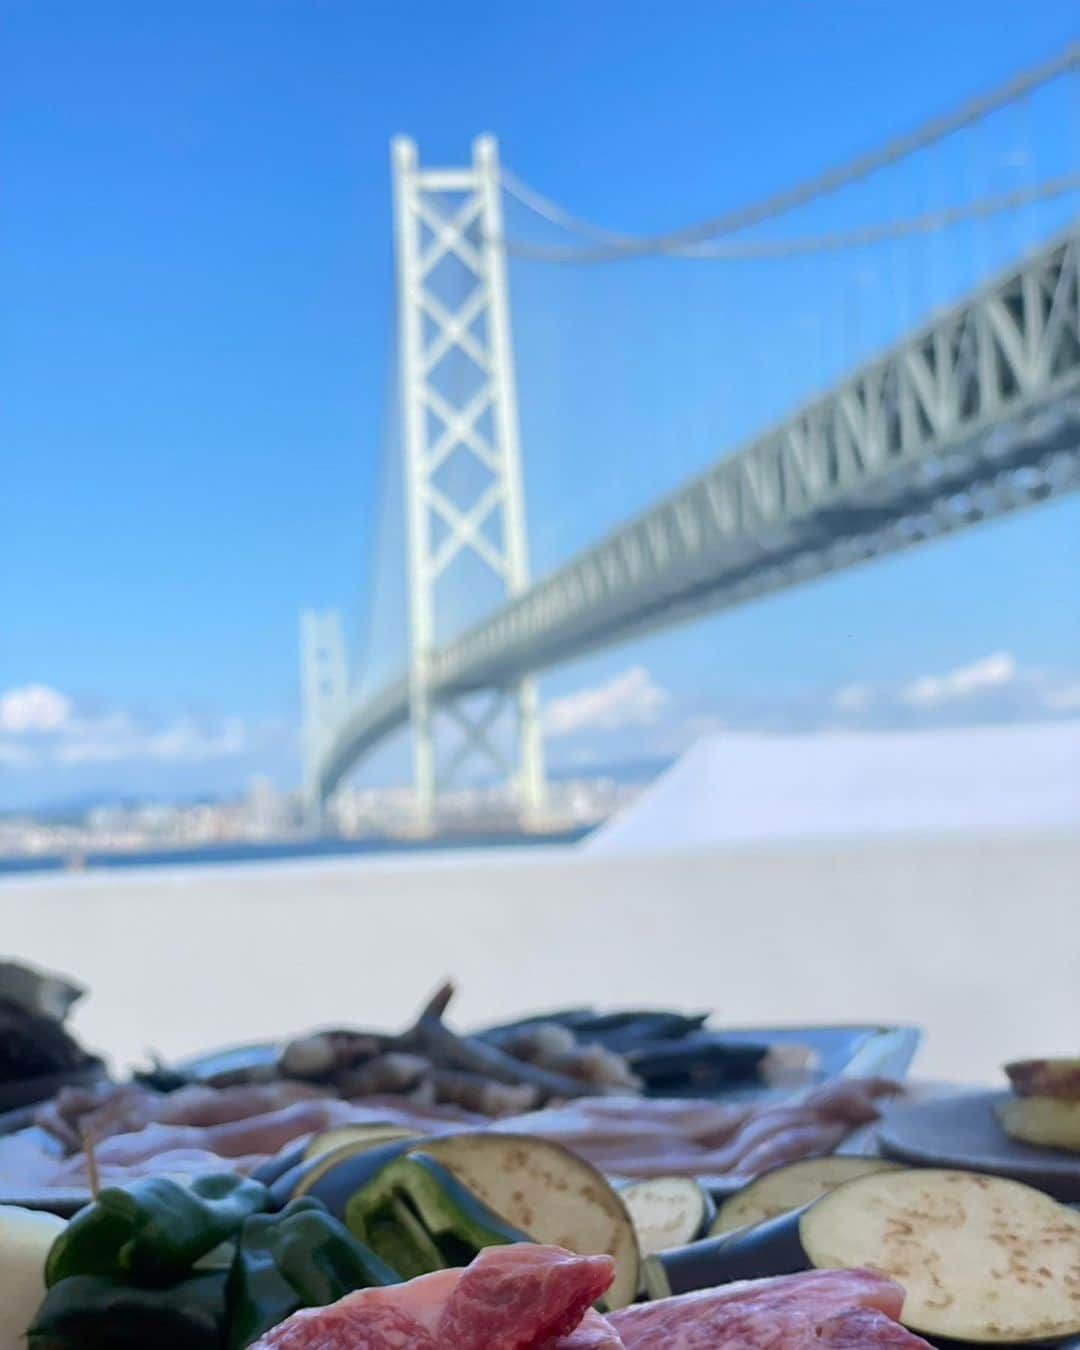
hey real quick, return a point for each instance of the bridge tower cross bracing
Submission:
(456, 214)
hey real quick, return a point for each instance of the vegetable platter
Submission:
(267, 1212)
(227, 1262)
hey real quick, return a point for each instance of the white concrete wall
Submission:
(978, 940)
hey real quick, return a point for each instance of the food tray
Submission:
(840, 1051)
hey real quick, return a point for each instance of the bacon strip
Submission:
(624, 1136)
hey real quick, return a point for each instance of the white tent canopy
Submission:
(732, 788)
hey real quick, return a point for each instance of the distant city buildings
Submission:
(266, 815)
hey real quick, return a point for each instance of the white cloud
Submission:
(852, 697)
(187, 740)
(33, 707)
(41, 726)
(993, 690)
(181, 742)
(629, 699)
(993, 672)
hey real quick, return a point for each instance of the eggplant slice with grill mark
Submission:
(791, 1186)
(982, 1260)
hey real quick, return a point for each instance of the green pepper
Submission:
(95, 1312)
(154, 1230)
(418, 1216)
(300, 1258)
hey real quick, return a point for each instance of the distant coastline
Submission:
(274, 850)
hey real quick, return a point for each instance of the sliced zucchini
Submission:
(790, 1187)
(1046, 1121)
(357, 1137)
(549, 1193)
(981, 1259)
(667, 1211)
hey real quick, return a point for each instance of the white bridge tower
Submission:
(456, 215)
(447, 220)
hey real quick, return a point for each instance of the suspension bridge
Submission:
(969, 416)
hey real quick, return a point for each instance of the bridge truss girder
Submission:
(881, 461)
(973, 416)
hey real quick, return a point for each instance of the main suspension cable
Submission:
(609, 246)
(927, 222)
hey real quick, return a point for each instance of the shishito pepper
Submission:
(96, 1312)
(418, 1216)
(154, 1230)
(301, 1257)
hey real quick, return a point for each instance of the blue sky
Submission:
(195, 265)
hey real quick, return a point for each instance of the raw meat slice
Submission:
(401, 1317)
(510, 1298)
(862, 1329)
(850, 1331)
(523, 1296)
(593, 1333)
(787, 1312)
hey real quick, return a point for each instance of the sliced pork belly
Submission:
(511, 1298)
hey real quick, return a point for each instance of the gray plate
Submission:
(962, 1132)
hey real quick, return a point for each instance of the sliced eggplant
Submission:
(667, 1212)
(1048, 1122)
(547, 1192)
(981, 1259)
(356, 1138)
(791, 1186)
